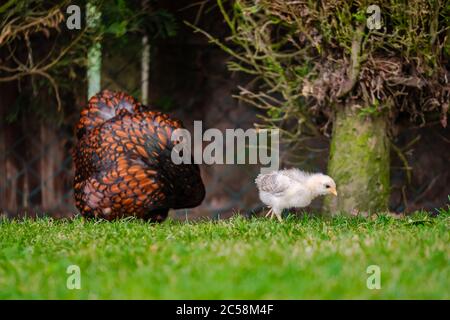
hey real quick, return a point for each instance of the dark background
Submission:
(189, 79)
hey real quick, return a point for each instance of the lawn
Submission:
(301, 258)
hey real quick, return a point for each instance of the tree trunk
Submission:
(359, 163)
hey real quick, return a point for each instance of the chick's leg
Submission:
(270, 212)
(278, 214)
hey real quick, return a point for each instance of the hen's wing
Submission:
(295, 174)
(273, 183)
(103, 106)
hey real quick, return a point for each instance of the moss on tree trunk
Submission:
(359, 163)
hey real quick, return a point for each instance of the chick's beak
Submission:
(333, 191)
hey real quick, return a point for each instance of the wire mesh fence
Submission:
(38, 173)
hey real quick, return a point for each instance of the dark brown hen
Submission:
(123, 163)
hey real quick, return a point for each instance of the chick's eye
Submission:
(327, 186)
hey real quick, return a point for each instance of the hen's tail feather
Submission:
(104, 106)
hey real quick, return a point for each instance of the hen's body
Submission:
(123, 162)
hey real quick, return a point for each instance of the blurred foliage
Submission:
(306, 58)
(120, 17)
(47, 60)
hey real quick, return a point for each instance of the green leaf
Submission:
(117, 28)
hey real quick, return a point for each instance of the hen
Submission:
(123, 163)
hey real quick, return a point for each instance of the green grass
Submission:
(301, 258)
